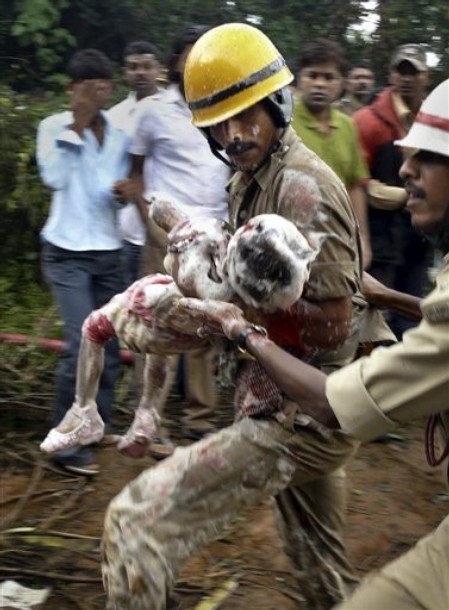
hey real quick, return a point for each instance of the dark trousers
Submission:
(401, 258)
(82, 282)
(132, 255)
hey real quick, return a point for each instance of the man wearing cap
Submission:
(237, 86)
(400, 256)
(393, 385)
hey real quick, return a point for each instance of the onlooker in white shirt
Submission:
(141, 70)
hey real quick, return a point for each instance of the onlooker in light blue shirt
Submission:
(81, 156)
(82, 173)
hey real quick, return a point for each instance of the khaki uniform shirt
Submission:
(296, 184)
(403, 382)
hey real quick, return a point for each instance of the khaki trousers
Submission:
(199, 365)
(171, 509)
(419, 579)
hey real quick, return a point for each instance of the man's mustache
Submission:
(410, 187)
(237, 148)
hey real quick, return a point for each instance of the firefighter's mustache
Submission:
(237, 148)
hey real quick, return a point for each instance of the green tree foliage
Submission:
(38, 27)
(422, 22)
(24, 201)
(37, 37)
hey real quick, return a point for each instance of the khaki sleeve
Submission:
(313, 198)
(336, 270)
(393, 385)
(385, 197)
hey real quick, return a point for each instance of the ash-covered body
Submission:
(268, 262)
(263, 267)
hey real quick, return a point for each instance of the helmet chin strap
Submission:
(215, 151)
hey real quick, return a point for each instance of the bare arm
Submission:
(386, 197)
(381, 296)
(302, 382)
(136, 176)
(131, 188)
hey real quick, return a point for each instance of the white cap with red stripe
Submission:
(430, 130)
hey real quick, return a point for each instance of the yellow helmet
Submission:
(230, 68)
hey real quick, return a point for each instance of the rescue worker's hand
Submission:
(125, 190)
(215, 317)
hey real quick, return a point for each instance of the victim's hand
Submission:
(214, 317)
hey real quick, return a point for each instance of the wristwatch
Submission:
(240, 341)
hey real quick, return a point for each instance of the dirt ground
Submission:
(394, 498)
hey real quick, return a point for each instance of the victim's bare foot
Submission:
(138, 438)
(80, 426)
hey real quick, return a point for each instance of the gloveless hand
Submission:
(125, 190)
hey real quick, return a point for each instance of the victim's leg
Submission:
(107, 282)
(82, 424)
(158, 377)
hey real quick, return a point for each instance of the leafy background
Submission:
(37, 37)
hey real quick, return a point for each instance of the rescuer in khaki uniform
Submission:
(393, 385)
(236, 84)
